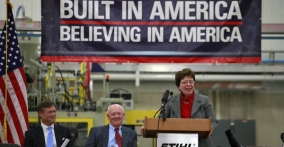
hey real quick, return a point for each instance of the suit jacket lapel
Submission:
(105, 134)
(196, 104)
(176, 106)
(57, 132)
(40, 134)
(124, 139)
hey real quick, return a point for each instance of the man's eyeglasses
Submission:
(187, 82)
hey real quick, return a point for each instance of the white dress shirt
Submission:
(45, 132)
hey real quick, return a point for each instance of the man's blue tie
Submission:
(49, 138)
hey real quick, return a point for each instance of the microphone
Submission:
(164, 101)
(165, 97)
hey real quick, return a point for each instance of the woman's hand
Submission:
(142, 130)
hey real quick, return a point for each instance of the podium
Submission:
(153, 126)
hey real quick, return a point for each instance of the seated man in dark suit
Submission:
(47, 134)
(113, 134)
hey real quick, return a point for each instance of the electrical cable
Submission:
(65, 90)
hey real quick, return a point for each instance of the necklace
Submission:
(185, 102)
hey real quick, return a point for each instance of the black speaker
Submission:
(114, 95)
(126, 96)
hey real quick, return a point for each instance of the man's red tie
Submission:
(118, 138)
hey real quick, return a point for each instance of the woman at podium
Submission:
(189, 104)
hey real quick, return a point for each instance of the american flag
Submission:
(14, 104)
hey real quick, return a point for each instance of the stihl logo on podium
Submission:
(177, 140)
(178, 145)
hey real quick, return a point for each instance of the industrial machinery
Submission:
(69, 86)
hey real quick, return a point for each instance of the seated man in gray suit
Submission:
(113, 134)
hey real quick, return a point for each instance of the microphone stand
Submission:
(163, 112)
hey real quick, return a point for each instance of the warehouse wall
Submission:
(264, 105)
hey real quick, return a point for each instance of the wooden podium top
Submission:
(176, 125)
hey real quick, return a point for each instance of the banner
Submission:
(149, 31)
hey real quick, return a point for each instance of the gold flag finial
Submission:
(9, 3)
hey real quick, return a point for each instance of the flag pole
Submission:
(6, 74)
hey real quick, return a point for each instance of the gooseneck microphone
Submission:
(165, 97)
(164, 101)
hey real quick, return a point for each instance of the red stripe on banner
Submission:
(129, 23)
(151, 59)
